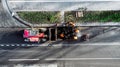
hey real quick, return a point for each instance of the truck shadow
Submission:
(95, 33)
(13, 38)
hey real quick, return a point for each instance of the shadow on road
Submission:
(11, 36)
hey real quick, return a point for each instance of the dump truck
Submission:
(67, 31)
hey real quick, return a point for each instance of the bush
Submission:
(96, 16)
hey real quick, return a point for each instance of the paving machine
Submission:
(67, 31)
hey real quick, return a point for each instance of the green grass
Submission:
(40, 17)
(96, 16)
(54, 17)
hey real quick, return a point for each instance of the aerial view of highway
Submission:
(59, 33)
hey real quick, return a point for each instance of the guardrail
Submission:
(16, 17)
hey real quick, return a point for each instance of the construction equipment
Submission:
(67, 31)
(35, 35)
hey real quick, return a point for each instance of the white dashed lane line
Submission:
(59, 45)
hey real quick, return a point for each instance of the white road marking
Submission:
(17, 10)
(2, 45)
(112, 43)
(23, 59)
(107, 63)
(61, 59)
(7, 45)
(37, 65)
(59, 45)
(96, 44)
(20, 51)
(48, 59)
(92, 24)
(18, 45)
(57, 1)
(22, 45)
(28, 45)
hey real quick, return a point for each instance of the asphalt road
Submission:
(14, 36)
(102, 50)
(82, 53)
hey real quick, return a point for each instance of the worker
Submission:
(77, 31)
(61, 35)
(71, 24)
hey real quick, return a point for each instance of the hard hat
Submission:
(62, 35)
(77, 31)
(75, 37)
(72, 23)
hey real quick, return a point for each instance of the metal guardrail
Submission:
(109, 24)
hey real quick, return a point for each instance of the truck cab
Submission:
(34, 35)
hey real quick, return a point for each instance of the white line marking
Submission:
(12, 45)
(82, 59)
(88, 44)
(23, 59)
(112, 43)
(17, 45)
(102, 63)
(23, 45)
(7, 45)
(35, 10)
(33, 45)
(92, 24)
(1, 45)
(59, 45)
(28, 45)
(59, 0)
(36, 65)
